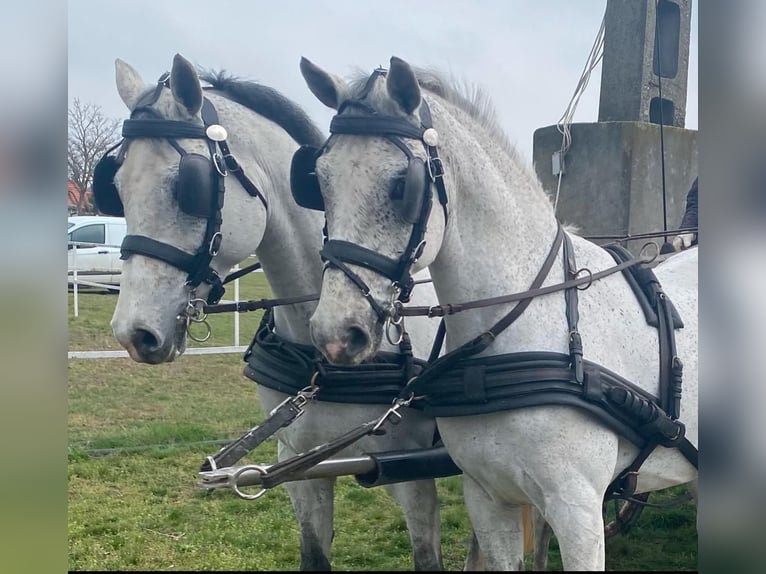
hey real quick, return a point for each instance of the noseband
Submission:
(199, 187)
(420, 177)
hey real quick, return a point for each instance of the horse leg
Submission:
(312, 502)
(543, 534)
(576, 518)
(420, 505)
(499, 528)
(474, 561)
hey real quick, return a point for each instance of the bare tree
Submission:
(90, 135)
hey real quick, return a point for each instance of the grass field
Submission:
(140, 508)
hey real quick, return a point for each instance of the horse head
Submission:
(167, 180)
(377, 191)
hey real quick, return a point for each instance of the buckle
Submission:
(232, 163)
(219, 164)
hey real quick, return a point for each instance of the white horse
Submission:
(263, 129)
(490, 239)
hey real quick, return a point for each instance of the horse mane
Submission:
(469, 97)
(268, 103)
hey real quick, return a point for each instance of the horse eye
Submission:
(397, 192)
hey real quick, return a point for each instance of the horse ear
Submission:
(184, 83)
(130, 86)
(327, 87)
(402, 85)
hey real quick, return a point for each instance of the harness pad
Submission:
(289, 367)
(644, 284)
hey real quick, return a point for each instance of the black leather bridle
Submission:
(337, 253)
(196, 265)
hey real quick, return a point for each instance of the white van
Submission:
(97, 240)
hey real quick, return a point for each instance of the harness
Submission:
(301, 372)
(288, 367)
(459, 384)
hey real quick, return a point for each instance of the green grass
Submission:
(142, 509)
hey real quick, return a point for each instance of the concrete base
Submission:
(612, 182)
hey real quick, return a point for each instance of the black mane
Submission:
(268, 103)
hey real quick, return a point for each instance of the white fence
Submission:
(74, 278)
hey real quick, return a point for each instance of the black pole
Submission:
(657, 36)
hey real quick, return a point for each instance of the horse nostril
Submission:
(357, 340)
(144, 340)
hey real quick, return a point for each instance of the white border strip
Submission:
(122, 354)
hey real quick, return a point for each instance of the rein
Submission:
(242, 272)
(648, 235)
(452, 308)
(256, 304)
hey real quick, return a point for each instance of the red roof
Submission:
(73, 194)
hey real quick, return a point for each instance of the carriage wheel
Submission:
(626, 512)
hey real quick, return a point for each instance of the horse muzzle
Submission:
(348, 344)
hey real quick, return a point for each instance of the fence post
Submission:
(74, 281)
(236, 313)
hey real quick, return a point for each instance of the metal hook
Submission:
(394, 410)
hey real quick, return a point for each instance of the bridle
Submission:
(338, 253)
(145, 122)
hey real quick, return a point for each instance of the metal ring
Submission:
(398, 327)
(235, 487)
(218, 162)
(656, 251)
(398, 321)
(203, 338)
(197, 307)
(590, 278)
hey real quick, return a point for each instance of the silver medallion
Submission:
(216, 133)
(431, 137)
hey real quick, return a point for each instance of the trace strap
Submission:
(285, 470)
(281, 416)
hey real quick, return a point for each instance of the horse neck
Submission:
(501, 224)
(289, 254)
(291, 236)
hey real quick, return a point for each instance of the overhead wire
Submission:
(565, 122)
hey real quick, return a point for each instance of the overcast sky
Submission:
(527, 54)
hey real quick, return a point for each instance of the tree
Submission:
(91, 134)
